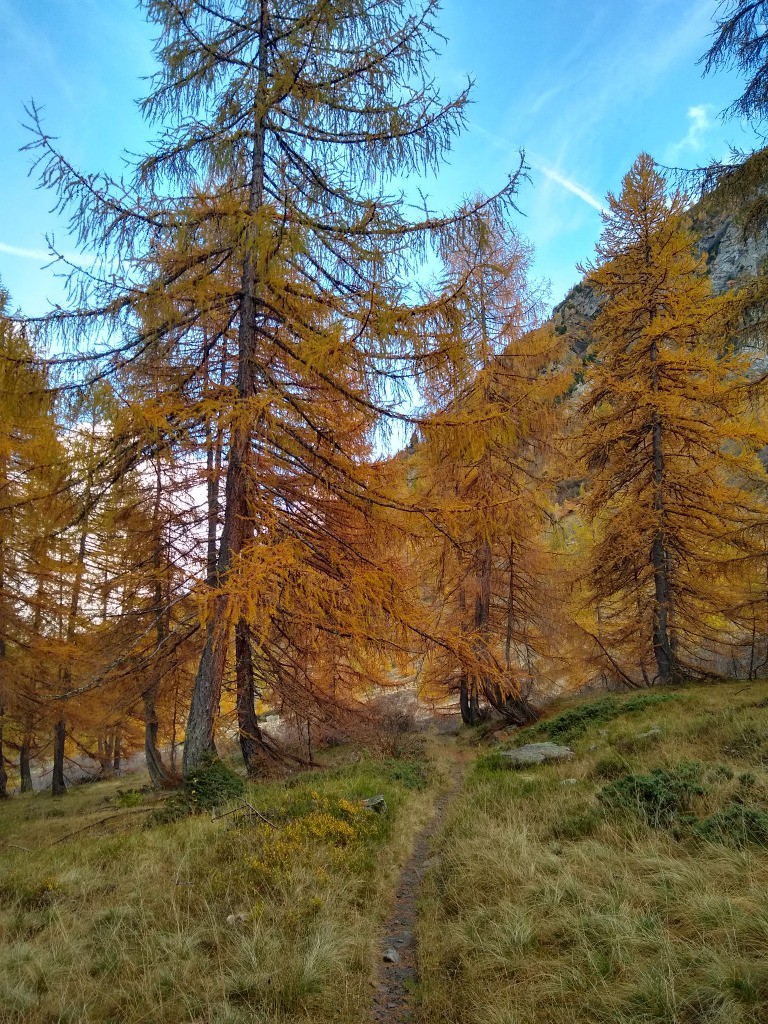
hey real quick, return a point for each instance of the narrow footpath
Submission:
(398, 959)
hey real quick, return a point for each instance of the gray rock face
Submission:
(538, 753)
(731, 255)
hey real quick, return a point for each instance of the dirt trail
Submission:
(395, 982)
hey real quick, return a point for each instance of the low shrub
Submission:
(574, 722)
(330, 829)
(211, 785)
(657, 798)
(735, 826)
(129, 797)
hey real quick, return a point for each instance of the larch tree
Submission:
(482, 468)
(667, 444)
(269, 208)
(741, 41)
(30, 478)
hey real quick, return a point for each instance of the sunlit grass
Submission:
(547, 907)
(125, 923)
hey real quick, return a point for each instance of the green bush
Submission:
(212, 784)
(657, 798)
(735, 826)
(574, 722)
(129, 797)
(207, 787)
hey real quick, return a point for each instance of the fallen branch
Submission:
(218, 817)
(93, 824)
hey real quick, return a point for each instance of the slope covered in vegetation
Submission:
(626, 885)
(263, 909)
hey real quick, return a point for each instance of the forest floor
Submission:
(268, 910)
(627, 885)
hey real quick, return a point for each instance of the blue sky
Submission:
(583, 88)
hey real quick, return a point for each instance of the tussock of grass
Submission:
(131, 925)
(551, 906)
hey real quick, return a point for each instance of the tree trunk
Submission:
(117, 752)
(158, 773)
(58, 783)
(3, 772)
(207, 689)
(25, 767)
(510, 608)
(469, 702)
(662, 645)
(251, 742)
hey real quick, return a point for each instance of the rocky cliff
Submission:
(733, 256)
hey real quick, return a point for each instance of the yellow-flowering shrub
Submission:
(324, 833)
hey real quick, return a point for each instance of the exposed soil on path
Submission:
(395, 981)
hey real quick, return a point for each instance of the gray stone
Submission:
(391, 956)
(568, 782)
(653, 733)
(537, 753)
(376, 803)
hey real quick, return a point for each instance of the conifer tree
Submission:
(483, 472)
(265, 209)
(666, 443)
(29, 479)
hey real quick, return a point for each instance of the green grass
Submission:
(637, 894)
(126, 920)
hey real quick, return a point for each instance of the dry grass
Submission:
(549, 908)
(125, 924)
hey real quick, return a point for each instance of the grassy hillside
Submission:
(627, 885)
(109, 915)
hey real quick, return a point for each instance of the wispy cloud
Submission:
(699, 123)
(568, 184)
(42, 255)
(557, 176)
(25, 254)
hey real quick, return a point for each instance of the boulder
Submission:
(538, 753)
(377, 804)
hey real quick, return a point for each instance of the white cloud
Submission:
(41, 255)
(569, 184)
(700, 121)
(541, 165)
(25, 254)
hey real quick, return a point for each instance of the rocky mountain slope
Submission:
(733, 256)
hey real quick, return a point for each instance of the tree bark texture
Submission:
(25, 767)
(207, 689)
(3, 772)
(251, 740)
(58, 782)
